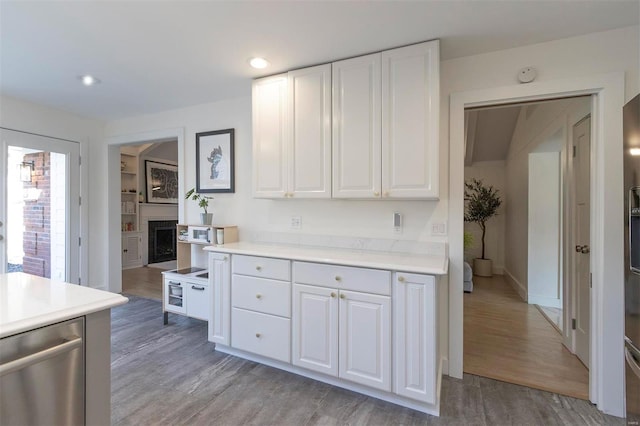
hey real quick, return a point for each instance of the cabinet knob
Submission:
(376, 194)
(342, 296)
(258, 296)
(385, 193)
(401, 279)
(258, 268)
(333, 294)
(338, 278)
(258, 335)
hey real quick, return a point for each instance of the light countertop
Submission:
(420, 264)
(28, 302)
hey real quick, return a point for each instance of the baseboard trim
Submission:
(517, 285)
(544, 301)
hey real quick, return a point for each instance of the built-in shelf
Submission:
(184, 246)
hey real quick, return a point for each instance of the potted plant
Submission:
(482, 204)
(206, 218)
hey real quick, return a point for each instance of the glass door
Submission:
(39, 206)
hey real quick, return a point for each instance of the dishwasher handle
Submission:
(20, 363)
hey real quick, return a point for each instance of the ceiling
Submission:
(157, 55)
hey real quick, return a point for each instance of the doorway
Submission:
(606, 373)
(514, 319)
(40, 206)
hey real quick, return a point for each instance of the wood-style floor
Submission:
(144, 282)
(509, 340)
(171, 375)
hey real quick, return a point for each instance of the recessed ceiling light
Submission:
(258, 63)
(88, 80)
(634, 151)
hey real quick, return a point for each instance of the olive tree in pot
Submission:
(482, 204)
(206, 218)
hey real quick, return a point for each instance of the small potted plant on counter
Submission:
(206, 218)
(482, 204)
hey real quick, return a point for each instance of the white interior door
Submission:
(582, 301)
(39, 206)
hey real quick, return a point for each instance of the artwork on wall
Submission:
(162, 182)
(215, 161)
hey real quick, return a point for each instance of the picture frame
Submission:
(215, 161)
(161, 181)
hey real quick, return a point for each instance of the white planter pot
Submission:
(206, 218)
(483, 267)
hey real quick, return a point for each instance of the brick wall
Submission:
(37, 218)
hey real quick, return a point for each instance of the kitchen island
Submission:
(362, 320)
(67, 331)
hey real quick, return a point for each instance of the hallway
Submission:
(507, 339)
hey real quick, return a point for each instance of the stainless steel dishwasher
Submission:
(42, 376)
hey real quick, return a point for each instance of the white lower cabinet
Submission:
(315, 328)
(343, 333)
(361, 328)
(220, 282)
(198, 300)
(415, 337)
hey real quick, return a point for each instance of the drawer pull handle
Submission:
(401, 279)
(333, 294)
(258, 335)
(258, 268)
(174, 283)
(195, 287)
(258, 296)
(342, 296)
(338, 278)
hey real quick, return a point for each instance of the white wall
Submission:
(543, 278)
(491, 173)
(542, 125)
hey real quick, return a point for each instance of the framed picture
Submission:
(162, 182)
(215, 161)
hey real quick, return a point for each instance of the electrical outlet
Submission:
(296, 222)
(439, 228)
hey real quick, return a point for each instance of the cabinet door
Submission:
(220, 287)
(174, 295)
(199, 301)
(310, 132)
(410, 117)
(270, 162)
(356, 136)
(415, 338)
(315, 326)
(131, 250)
(365, 339)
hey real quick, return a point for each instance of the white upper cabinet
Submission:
(310, 132)
(292, 134)
(357, 126)
(410, 116)
(365, 127)
(270, 133)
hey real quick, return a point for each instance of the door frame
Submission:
(114, 243)
(606, 376)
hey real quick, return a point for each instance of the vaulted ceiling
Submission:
(157, 55)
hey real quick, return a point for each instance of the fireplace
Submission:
(162, 240)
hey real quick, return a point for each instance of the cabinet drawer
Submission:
(261, 334)
(262, 267)
(261, 295)
(343, 277)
